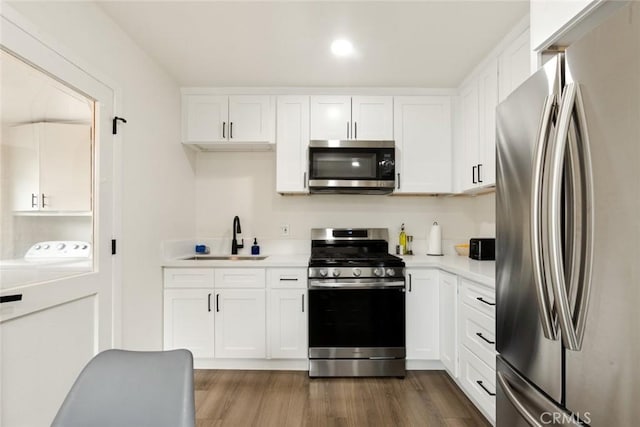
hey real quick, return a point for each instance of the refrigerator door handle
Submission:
(542, 292)
(539, 405)
(581, 237)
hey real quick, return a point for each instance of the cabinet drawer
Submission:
(188, 278)
(478, 334)
(478, 297)
(287, 278)
(478, 380)
(240, 278)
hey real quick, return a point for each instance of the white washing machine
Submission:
(46, 261)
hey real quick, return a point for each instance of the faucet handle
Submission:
(241, 244)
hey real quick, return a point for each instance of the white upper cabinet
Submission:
(514, 65)
(214, 121)
(478, 102)
(204, 117)
(423, 141)
(372, 118)
(292, 138)
(344, 117)
(49, 167)
(330, 117)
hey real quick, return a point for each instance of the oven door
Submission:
(356, 319)
(352, 166)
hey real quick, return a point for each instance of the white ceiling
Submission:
(410, 44)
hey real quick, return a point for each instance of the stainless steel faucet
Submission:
(236, 230)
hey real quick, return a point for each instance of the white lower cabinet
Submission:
(422, 314)
(287, 313)
(240, 323)
(188, 310)
(448, 284)
(189, 321)
(237, 313)
(476, 332)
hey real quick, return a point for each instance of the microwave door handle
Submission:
(542, 292)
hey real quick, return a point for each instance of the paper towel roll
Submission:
(435, 240)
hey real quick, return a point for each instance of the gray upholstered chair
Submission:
(121, 388)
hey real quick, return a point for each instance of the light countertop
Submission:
(482, 272)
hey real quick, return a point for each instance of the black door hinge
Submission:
(113, 246)
(115, 124)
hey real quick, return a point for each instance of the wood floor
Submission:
(287, 398)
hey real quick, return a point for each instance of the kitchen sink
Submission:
(225, 258)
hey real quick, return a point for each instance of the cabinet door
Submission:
(448, 315)
(240, 323)
(422, 315)
(288, 323)
(372, 118)
(514, 65)
(470, 135)
(330, 117)
(488, 101)
(205, 118)
(189, 321)
(22, 167)
(65, 167)
(292, 132)
(250, 118)
(423, 140)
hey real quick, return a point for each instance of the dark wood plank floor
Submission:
(288, 398)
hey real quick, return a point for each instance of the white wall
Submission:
(243, 184)
(157, 176)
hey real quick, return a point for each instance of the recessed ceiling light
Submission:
(341, 47)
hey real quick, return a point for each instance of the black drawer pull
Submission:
(10, 298)
(485, 301)
(485, 389)
(209, 302)
(482, 336)
(284, 279)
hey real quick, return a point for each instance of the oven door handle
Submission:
(373, 284)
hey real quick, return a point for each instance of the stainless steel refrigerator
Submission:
(568, 232)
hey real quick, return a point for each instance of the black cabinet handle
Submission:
(398, 181)
(483, 337)
(209, 302)
(224, 125)
(355, 130)
(286, 279)
(43, 202)
(34, 200)
(230, 130)
(479, 180)
(303, 303)
(347, 130)
(10, 298)
(482, 300)
(473, 174)
(409, 282)
(484, 388)
(217, 303)
(304, 180)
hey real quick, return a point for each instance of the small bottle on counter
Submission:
(255, 249)
(402, 240)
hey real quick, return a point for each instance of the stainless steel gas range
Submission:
(356, 304)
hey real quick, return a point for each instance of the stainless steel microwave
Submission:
(352, 167)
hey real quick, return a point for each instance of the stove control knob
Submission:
(46, 246)
(357, 272)
(37, 248)
(336, 273)
(76, 246)
(390, 272)
(323, 272)
(60, 246)
(378, 272)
